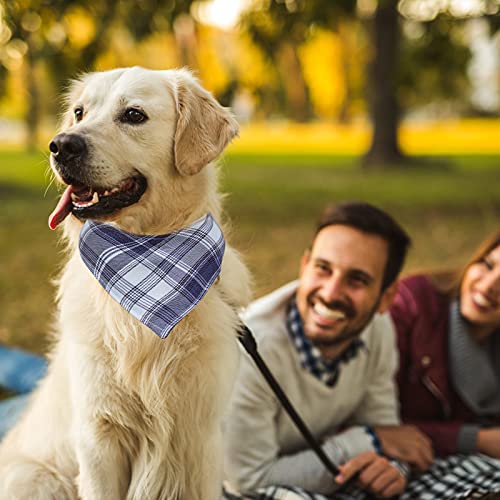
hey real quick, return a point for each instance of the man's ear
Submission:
(388, 297)
(204, 127)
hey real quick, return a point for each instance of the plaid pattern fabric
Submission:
(294, 493)
(457, 476)
(310, 357)
(452, 478)
(157, 279)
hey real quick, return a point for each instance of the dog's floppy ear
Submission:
(204, 127)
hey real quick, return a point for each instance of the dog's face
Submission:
(132, 140)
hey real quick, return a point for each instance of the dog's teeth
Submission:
(95, 198)
(115, 190)
(106, 193)
(84, 204)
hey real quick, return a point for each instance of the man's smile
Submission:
(327, 313)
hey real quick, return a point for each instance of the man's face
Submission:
(340, 286)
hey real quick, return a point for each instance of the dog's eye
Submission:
(133, 115)
(78, 112)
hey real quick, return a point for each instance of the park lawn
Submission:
(273, 199)
(465, 136)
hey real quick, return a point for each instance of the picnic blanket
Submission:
(455, 477)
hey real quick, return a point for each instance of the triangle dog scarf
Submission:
(157, 279)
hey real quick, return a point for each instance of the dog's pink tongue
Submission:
(62, 210)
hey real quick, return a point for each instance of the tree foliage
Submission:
(414, 61)
(409, 61)
(434, 60)
(69, 35)
(279, 28)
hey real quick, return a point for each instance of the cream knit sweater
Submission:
(262, 445)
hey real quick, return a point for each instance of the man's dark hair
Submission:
(371, 220)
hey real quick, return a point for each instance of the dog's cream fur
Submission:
(121, 413)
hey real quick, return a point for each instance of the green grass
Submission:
(25, 169)
(273, 201)
(342, 161)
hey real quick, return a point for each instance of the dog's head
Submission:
(133, 145)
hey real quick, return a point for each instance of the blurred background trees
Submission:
(346, 61)
(54, 40)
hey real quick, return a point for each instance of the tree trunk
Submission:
(297, 93)
(344, 29)
(384, 149)
(187, 41)
(32, 116)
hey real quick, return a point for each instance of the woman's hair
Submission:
(449, 281)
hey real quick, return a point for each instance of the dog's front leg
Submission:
(103, 466)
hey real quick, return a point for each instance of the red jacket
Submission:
(428, 400)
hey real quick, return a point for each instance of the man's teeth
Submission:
(328, 313)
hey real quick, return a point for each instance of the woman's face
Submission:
(480, 294)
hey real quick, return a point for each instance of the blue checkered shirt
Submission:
(325, 370)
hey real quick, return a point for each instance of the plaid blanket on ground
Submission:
(453, 478)
(458, 476)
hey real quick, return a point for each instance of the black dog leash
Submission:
(248, 341)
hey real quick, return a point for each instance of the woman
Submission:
(448, 328)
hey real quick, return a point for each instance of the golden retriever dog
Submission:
(121, 413)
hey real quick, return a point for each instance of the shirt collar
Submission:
(326, 370)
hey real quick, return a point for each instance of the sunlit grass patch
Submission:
(451, 137)
(456, 137)
(292, 138)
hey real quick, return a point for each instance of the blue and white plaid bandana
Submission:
(157, 279)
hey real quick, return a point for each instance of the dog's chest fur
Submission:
(128, 352)
(140, 387)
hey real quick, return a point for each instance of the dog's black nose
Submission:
(68, 147)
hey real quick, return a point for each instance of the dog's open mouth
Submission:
(87, 202)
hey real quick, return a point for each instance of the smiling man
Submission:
(342, 259)
(331, 346)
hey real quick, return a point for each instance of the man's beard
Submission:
(347, 333)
